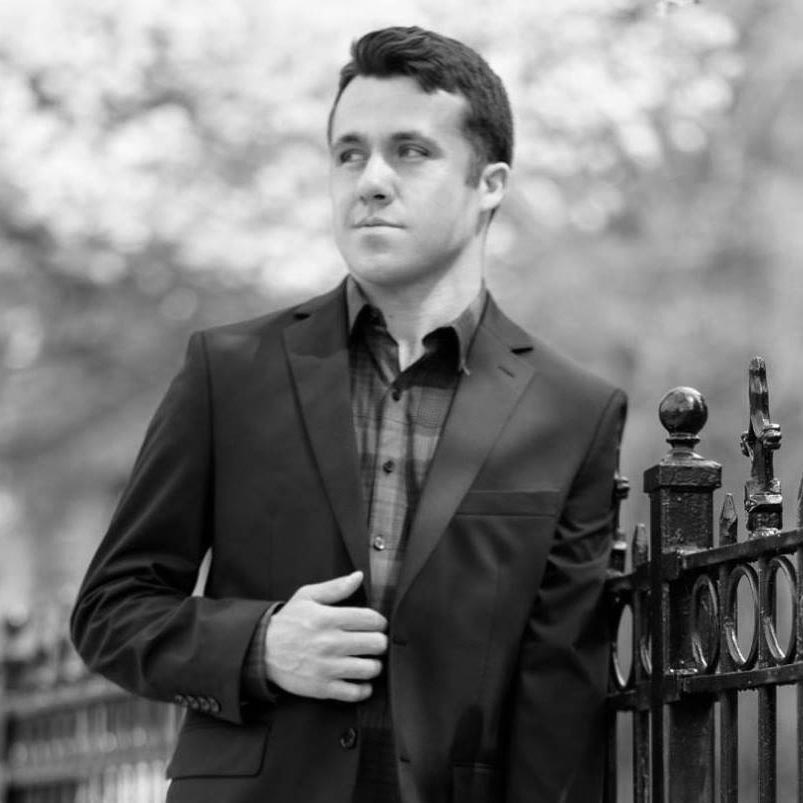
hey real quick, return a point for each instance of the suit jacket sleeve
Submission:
(561, 679)
(135, 620)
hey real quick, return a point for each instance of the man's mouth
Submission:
(375, 222)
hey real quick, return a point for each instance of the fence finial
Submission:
(641, 554)
(683, 413)
(762, 492)
(728, 521)
(621, 490)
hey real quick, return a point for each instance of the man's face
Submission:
(403, 211)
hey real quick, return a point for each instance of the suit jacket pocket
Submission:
(214, 748)
(509, 503)
(475, 783)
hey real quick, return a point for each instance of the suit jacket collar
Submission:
(317, 350)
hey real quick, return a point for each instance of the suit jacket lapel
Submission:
(317, 350)
(483, 402)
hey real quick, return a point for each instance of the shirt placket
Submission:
(388, 507)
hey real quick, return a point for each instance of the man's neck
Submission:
(413, 312)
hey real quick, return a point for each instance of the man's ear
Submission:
(493, 184)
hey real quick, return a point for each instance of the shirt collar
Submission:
(464, 325)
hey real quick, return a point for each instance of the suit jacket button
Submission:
(348, 739)
(214, 706)
(180, 699)
(204, 705)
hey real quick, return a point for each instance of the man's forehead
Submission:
(394, 105)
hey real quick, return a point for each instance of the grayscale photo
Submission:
(400, 402)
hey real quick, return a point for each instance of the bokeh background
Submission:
(163, 168)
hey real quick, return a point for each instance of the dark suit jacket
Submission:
(497, 643)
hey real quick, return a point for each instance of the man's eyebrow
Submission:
(351, 138)
(347, 139)
(406, 136)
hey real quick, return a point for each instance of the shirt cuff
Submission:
(254, 683)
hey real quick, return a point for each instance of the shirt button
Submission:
(396, 394)
(388, 466)
(348, 739)
(378, 543)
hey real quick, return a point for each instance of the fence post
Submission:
(763, 502)
(681, 490)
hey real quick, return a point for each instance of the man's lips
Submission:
(374, 223)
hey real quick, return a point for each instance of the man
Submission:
(407, 498)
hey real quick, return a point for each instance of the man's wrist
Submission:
(254, 680)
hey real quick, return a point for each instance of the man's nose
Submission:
(376, 180)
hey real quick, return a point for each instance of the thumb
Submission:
(331, 591)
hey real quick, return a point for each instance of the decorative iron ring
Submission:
(619, 680)
(704, 584)
(774, 565)
(729, 624)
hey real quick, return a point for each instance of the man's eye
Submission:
(349, 156)
(412, 151)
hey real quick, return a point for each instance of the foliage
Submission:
(163, 167)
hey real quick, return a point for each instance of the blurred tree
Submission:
(162, 168)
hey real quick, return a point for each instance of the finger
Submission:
(356, 668)
(331, 591)
(358, 619)
(360, 643)
(348, 692)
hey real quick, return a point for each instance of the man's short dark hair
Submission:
(438, 62)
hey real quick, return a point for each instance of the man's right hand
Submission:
(318, 649)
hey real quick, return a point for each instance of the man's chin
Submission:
(387, 276)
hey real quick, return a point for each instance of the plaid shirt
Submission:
(398, 417)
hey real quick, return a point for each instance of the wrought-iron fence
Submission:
(696, 647)
(713, 618)
(69, 737)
